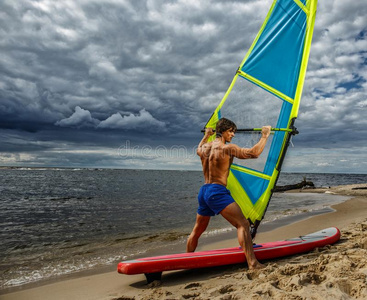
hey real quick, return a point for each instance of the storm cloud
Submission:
(81, 78)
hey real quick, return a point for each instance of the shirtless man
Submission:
(214, 198)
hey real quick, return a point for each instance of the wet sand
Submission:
(332, 272)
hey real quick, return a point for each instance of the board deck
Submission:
(153, 267)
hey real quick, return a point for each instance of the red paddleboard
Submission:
(153, 267)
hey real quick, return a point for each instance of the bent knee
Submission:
(243, 223)
(246, 222)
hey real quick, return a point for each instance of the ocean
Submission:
(56, 222)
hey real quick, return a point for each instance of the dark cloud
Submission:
(79, 75)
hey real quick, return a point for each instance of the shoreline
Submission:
(206, 242)
(111, 285)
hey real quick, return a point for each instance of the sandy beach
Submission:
(332, 272)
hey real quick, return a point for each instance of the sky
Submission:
(130, 84)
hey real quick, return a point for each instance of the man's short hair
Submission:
(223, 125)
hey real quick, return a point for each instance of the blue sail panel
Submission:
(277, 55)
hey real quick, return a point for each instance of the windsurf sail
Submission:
(276, 62)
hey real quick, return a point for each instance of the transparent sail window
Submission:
(249, 106)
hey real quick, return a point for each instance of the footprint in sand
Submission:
(192, 285)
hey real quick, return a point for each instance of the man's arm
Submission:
(208, 133)
(256, 150)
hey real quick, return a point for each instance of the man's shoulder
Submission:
(208, 146)
(205, 150)
(231, 146)
(231, 149)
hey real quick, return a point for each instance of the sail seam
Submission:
(301, 6)
(266, 87)
(250, 172)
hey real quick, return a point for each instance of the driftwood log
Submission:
(296, 186)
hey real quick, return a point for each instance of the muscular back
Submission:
(220, 160)
(217, 156)
(204, 156)
(216, 161)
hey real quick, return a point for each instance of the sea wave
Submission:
(55, 223)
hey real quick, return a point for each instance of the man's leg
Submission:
(200, 226)
(233, 214)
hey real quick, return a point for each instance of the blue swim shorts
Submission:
(213, 198)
